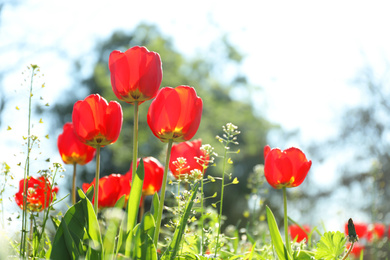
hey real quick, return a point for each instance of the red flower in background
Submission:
(360, 228)
(286, 168)
(188, 150)
(175, 114)
(39, 193)
(97, 122)
(153, 176)
(111, 188)
(136, 74)
(376, 231)
(301, 234)
(72, 150)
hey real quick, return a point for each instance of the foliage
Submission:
(331, 246)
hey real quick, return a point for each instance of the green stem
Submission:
(202, 213)
(286, 221)
(26, 171)
(74, 184)
(136, 190)
(162, 196)
(221, 201)
(135, 139)
(349, 251)
(95, 205)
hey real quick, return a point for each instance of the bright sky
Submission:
(304, 54)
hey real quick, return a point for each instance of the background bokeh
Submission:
(302, 73)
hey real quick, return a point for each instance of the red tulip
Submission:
(153, 175)
(111, 188)
(360, 228)
(189, 150)
(72, 150)
(301, 234)
(376, 231)
(175, 114)
(136, 74)
(39, 193)
(97, 122)
(286, 168)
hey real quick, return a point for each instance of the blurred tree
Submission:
(206, 74)
(364, 141)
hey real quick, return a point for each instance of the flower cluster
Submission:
(174, 115)
(367, 234)
(40, 193)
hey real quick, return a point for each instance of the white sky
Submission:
(304, 54)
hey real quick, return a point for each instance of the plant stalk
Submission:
(74, 184)
(95, 205)
(288, 246)
(135, 140)
(27, 170)
(162, 196)
(221, 201)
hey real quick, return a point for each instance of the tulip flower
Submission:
(96, 122)
(153, 176)
(73, 151)
(286, 168)
(111, 189)
(376, 231)
(191, 152)
(360, 228)
(136, 74)
(298, 233)
(39, 193)
(175, 114)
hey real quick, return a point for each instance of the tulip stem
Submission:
(74, 184)
(162, 196)
(288, 247)
(95, 205)
(135, 140)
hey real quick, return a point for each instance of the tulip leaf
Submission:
(78, 234)
(173, 247)
(276, 238)
(143, 246)
(133, 204)
(155, 205)
(303, 255)
(113, 218)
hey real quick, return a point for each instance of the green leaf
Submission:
(143, 246)
(330, 246)
(113, 218)
(56, 222)
(133, 204)
(277, 241)
(303, 255)
(155, 205)
(173, 247)
(89, 194)
(78, 234)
